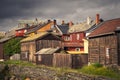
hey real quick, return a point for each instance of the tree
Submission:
(12, 46)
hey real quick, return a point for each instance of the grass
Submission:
(100, 70)
(94, 69)
(18, 62)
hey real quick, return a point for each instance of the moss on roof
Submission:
(34, 37)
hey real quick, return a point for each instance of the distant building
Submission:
(74, 42)
(2, 33)
(32, 44)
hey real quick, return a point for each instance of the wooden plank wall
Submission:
(79, 60)
(97, 49)
(62, 60)
(118, 36)
(44, 59)
(1, 51)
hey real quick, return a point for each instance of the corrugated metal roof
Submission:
(48, 50)
(107, 27)
(34, 37)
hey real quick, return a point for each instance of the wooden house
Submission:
(104, 43)
(22, 31)
(74, 43)
(41, 27)
(32, 44)
(2, 42)
(45, 56)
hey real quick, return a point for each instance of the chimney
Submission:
(97, 19)
(88, 20)
(70, 23)
(54, 22)
(63, 22)
(48, 20)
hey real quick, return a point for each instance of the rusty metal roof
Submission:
(107, 27)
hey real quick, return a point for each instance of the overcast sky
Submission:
(69, 10)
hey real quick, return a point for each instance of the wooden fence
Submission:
(62, 60)
(44, 59)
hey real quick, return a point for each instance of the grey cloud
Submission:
(77, 10)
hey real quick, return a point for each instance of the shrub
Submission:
(98, 65)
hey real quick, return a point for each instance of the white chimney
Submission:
(88, 20)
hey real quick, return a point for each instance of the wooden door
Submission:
(118, 37)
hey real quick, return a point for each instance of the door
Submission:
(118, 37)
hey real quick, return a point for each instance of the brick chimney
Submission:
(70, 23)
(63, 22)
(54, 22)
(49, 20)
(97, 19)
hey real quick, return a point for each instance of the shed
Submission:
(104, 43)
(45, 56)
(32, 44)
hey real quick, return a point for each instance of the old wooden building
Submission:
(32, 44)
(74, 42)
(2, 42)
(104, 43)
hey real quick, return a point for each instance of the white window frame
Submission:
(77, 49)
(39, 58)
(78, 36)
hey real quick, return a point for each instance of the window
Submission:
(77, 49)
(78, 36)
(66, 38)
(71, 37)
(26, 55)
(39, 58)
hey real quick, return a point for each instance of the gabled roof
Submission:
(40, 36)
(81, 27)
(37, 27)
(34, 37)
(48, 50)
(105, 28)
(63, 28)
(6, 39)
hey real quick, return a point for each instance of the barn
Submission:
(32, 44)
(104, 43)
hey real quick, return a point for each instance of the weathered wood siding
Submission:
(47, 44)
(44, 59)
(79, 60)
(62, 60)
(103, 50)
(70, 60)
(1, 51)
(30, 48)
(118, 36)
